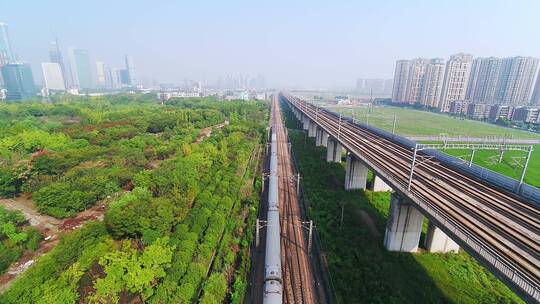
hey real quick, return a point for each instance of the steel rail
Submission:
(527, 282)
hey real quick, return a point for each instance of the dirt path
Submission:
(206, 132)
(50, 228)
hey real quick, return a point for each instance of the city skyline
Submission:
(207, 50)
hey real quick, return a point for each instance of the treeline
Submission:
(176, 233)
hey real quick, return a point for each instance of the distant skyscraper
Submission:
(434, 76)
(485, 74)
(80, 68)
(516, 80)
(123, 76)
(6, 52)
(52, 74)
(101, 75)
(415, 80)
(456, 79)
(401, 76)
(18, 81)
(535, 99)
(56, 56)
(130, 68)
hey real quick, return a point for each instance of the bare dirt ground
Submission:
(206, 132)
(50, 228)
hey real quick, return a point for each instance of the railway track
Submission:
(296, 267)
(502, 223)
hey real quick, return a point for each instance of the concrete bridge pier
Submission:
(404, 225)
(379, 185)
(312, 129)
(318, 137)
(356, 173)
(333, 151)
(438, 241)
(305, 122)
(324, 138)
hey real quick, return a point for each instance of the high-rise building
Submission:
(123, 76)
(101, 75)
(80, 68)
(55, 56)
(535, 98)
(130, 68)
(415, 80)
(434, 76)
(401, 75)
(516, 80)
(485, 74)
(6, 52)
(18, 81)
(456, 79)
(52, 74)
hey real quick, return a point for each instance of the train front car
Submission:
(273, 287)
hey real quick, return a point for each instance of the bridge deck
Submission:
(500, 230)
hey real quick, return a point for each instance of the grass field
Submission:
(412, 122)
(511, 164)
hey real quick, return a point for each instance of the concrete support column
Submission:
(333, 151)
(356, 173)
(404, 225)
(318, 137)
(380, 185)
(305, 121)
(438, 241)
(312, 129)
(324, 138)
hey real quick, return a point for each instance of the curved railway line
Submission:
(501, 223)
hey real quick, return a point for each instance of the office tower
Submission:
(80, 68)
(56, 57)
(52, 74)
(123, 76)
(18, 81)
(516, 80)
(6, 52)
(100, 73)
(114, 78)
(434, 76)
(456, 79)
(401, 75)
(485, 74)
(535, 98)
(415, 80)
(130, 68)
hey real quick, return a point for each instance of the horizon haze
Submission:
(320, 44)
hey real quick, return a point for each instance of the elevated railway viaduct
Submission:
(498, 227)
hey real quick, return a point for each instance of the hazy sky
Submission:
(309, 43)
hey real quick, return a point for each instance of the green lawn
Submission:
(412, 122)
(362, 270)
(511, 164)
